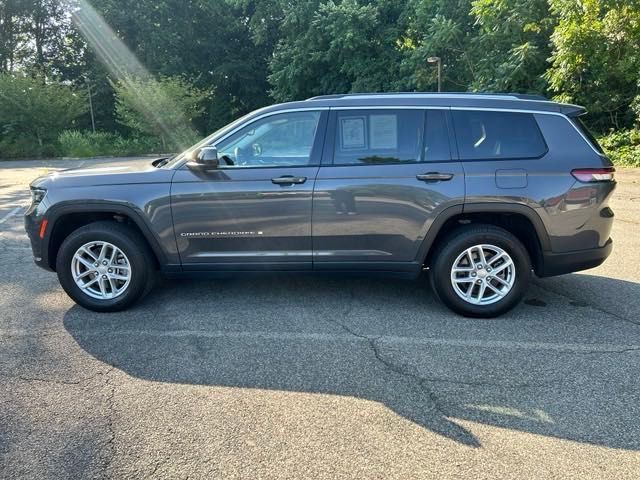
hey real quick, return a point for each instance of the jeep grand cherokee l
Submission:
(481, 190)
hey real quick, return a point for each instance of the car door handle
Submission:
(288, 180)
(435, 177)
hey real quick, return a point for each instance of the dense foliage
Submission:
(623, 147)
(596, 60)
(161, 72)
(32, 113)
(164, 109)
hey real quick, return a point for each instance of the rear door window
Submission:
(374, 137)
(497, 135)
(436, 138)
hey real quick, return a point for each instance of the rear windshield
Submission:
(587, 133)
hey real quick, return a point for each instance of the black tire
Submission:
(455, 243)
(132, 244)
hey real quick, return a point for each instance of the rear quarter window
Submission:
(586, 133)
(497, 135)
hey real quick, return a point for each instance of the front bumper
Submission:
(561, 263)
(38, 245)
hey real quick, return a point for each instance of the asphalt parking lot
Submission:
(301, 377)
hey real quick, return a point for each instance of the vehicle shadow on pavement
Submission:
(554, 367)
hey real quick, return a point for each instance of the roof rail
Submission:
(520, 96)
(328, 97)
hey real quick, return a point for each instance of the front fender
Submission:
(58, 211)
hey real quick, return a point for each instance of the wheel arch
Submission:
(65, 218)
(521, 220)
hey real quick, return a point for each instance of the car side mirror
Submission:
(206, 158)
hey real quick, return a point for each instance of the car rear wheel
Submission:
(105, 266)
(481, 271)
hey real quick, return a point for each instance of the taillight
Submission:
(589, 175)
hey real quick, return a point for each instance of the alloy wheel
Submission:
(101, 270)
(483, 274)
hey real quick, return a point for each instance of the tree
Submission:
(512, 44)
(596, 59)
(337, 48)
(246, 53)
(36, 111)
(33, 35)
(13, 37)
(164, 109)
(209, 42)
(436, 28)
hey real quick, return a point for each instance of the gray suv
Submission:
(478, 189)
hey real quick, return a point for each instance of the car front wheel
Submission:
(105, 266)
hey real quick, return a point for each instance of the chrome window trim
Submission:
(445, 96)
(402, 107)
(516, 110)
(393, 107)
(434, 95)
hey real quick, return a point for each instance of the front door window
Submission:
(280, 140)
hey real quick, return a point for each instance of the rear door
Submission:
(385, 176)
(254, 211)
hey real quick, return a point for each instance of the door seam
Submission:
(313, 189)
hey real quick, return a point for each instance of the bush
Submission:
(135, 146)
(622, 147)
(163, 109)
(74, 143)
(15, 146)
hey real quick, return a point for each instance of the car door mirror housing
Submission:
(205, 158)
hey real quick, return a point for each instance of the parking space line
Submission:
(10, 214)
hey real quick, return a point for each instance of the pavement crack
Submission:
(405, 370)
(587, 304)
(601, 352)
(156, 466)
(401, 370)
(109, 445)
(493, 384)
(54, 381)
(47, 380)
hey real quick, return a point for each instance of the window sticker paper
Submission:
(383, 131)
(353, 133)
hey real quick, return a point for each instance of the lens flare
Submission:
(128, 71)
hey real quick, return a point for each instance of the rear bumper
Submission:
(561, 263)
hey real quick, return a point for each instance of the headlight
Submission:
(37, 195)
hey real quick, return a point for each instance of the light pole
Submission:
(93, 120)
(439, 62)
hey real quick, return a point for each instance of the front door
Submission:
(386, 175)
(254, 211)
